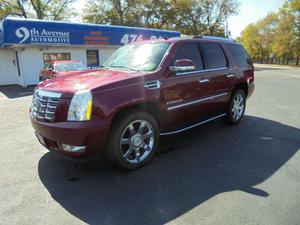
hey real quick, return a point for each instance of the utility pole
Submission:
(226, 27)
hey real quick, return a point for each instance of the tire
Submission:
(133, 140)
(236, 108)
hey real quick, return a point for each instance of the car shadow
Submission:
(190, 169)
(16, 91)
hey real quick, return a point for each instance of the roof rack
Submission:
(214, 38)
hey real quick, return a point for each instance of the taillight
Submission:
(250, 79)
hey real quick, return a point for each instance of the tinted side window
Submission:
(214, 55)
(188, 51)
(239, 55)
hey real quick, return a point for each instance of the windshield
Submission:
(138, 57)
(70, 66)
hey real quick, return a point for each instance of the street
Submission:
(212, 174)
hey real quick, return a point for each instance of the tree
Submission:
(40, 9)
(276, 35)
(216, 12)
(251, 40)
(114, 12)
(283, 40)
(16, 7)
(186, 16)
(295, 7)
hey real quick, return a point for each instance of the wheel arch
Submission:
(150, 107)
(242, 86)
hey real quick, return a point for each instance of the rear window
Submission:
(239, 55)
(188, 51)
(214, 55)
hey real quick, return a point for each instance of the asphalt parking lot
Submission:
(214, 174)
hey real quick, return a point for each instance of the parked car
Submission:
(146, 90)
(56, 68)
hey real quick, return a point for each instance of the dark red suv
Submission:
(145, 90)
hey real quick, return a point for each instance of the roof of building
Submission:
(19, 31)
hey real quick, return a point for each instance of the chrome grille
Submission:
(44, 104)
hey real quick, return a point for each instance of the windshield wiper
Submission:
(122, 66)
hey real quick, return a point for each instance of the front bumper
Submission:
(91, 134)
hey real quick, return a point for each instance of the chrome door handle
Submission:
(204, 80)
(230, 75)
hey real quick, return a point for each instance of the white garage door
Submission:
(8, 67)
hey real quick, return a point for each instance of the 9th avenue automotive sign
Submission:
(42, 36)
(27, 32)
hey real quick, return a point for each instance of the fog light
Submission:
(73, 148)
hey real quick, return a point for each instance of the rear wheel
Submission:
(236, 107)
(133, 140)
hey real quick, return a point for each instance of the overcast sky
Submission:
(249, 12)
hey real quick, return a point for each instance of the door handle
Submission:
(204, 80)
(230, 75)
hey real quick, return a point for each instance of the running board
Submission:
(192, 126)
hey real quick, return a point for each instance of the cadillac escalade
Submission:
(145, 90)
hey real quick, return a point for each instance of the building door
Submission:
(8, 67)
(92, 58)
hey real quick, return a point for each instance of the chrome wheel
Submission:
(238, 107)
(137, 141)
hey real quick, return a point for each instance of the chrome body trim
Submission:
(154, 84)
(230, 75)
(197, 101)
(206, 37)
(181, 68)
(192, 126)
(203, 80)
(200, 71)
(44, 104)
(47, 94)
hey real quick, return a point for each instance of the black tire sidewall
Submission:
(117, 131)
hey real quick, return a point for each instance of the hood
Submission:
(69, 84)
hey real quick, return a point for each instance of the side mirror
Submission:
(183, 65)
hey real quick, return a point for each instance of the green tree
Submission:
(276, 35)
(295, 7)
(252, 41)
(186, 16)
(114, 12)
(40, 9)
(216, 12)
(283, 40)
(15, 7)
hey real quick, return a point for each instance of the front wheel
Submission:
(133, 140)
(236, 107)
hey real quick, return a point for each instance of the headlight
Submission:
(81, 106)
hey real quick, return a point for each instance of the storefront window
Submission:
(92, 58)
(56, 56)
